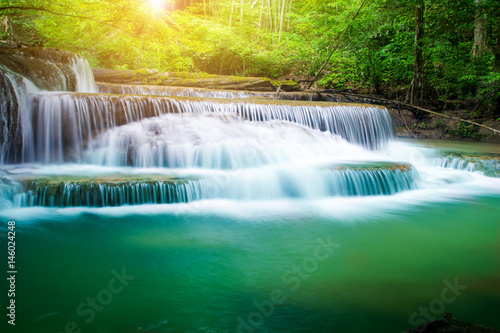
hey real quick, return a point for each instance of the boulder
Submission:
(48, 69)
(197, 80)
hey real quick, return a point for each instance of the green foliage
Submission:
(276, 38)
(464, 131)
(421, 125)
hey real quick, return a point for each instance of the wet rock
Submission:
(488, 134)
(199, 80)
(48, 69)
(389, 166)
(487, 163)
(373, 178)
(451, 325)
(111, 190)
(76, 118)
(9, 120)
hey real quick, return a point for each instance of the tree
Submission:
(416, 92)
(480, 32)
(281, 20)
(496, 66)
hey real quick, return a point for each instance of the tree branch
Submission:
(62, 14)
(337, 45)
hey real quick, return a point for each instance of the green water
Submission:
(200, 272)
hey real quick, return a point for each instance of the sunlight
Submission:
(158, 4)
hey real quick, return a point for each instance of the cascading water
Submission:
(121, 89)
(489, 166)
(365, 125)
(66, 122)
(119, 193)
(18, 94)
(211, 141)
(84, 77)
(109, 88)
(206, 209)
(265, 149)
(249, 185)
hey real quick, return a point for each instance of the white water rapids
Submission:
(98, 150)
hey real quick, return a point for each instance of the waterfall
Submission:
(66, 122)
(84, 76)
(454, 163)
(213, 141)
(301, 183)
(110, 88)
(17, 93)
(9, 189)
(101, 194)
(490, 167)
(122, 89)
(251, 185)
(351, 182)
(222, 145)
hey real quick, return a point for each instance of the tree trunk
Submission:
(288, 17)
(480, 31)
(281, 20)
(270, 14)
(232, 11)
(416, 92)
(496, 68)
(260, 14)
(241, 11)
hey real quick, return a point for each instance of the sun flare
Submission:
(159, 4)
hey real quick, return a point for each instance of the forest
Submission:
(422, 52)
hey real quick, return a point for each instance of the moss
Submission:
(471, 155)
(51, 191)
(375, 166)
(57, 182)
(192, 80)
(142, 72)
(158, 81)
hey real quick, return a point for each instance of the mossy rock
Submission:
(9, 111)
(372, 166)
(449, 324)
(111, 190)
(199, 80)
(31, 184)
(472, 155)
(487, 163)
